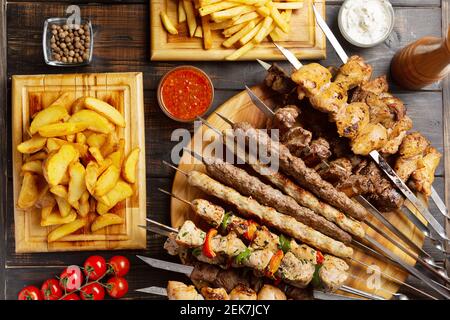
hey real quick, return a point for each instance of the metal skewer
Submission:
(187, 270)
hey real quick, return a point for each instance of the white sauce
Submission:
(366, 21)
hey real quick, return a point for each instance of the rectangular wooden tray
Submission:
(306, 39)
(125, 92)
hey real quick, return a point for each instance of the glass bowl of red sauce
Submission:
(185, 93)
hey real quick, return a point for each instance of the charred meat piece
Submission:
(284, 119)
(205, 272)
(298, 293)
(229, 279)
(278, 80)
(337, 171)
(318, 151)
(296, 139)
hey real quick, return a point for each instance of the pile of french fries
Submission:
(75, 169)
(244, 23)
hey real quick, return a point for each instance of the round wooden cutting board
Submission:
(240, 108)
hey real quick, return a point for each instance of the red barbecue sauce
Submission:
(186, 93)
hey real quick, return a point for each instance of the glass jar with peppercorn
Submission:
(67, 45)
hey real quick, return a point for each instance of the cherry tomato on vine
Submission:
(119, 265)
(30, 293)
(71, 278)
(94, 267)
(51, 290)
(117, 287)
(93, 291)
(71, 296)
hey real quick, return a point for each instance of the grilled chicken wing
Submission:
(310, 79)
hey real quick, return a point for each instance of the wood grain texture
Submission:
(240, 108)
(121, 43)
(124, 92)
(305, 40)
(3, 144)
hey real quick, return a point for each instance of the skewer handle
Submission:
(422, 63)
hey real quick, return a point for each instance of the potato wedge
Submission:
(181, 12)
(96, 140)
(41, 155)
(32, 145)
(62, 129)
(77, 105)
(29, 192)
(110, 144)
(70, 138)
(63, 205)
(107, 181)
(104, 165)
(84, 207)
(46, 211)
(80, 138)
(95, 152)
(130, 165)
(55, 167)
(48, 116)
(60, 191)
(105, 220)
(66, 229)
(77, 184)
(190, 16)
(64, 100)
(54, 144)
(95, 121)
(34, 166)
(91, 176)
(106, 110)
(117, 157)
(55, 218)
(45, 200)
(120, 192)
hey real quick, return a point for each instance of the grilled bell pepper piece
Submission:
(274, 263)
(207, 248)
(250, 233)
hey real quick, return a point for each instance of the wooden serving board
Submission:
(124, 91)
(240, 108)
(306, 40)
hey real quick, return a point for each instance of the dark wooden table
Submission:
(122, 44)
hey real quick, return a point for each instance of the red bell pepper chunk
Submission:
(207, 249)
(250, 233)
(319, 257)
(274, 263)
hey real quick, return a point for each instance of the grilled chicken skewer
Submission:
(332, 271)
(263, 140)
(179, 291)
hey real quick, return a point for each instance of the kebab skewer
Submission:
(332, 271)
(370, 137)
(210, 188)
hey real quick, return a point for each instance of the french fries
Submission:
(167, 23)
(76, 165)
(269, 18)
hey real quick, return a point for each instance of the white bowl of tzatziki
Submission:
(366, 23)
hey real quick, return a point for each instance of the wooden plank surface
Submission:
(121, 44)
(306, 40)
(125, 93)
